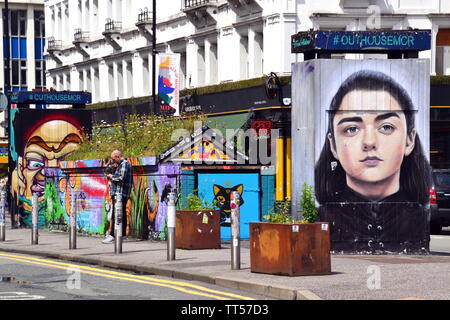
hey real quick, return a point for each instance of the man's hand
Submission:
(109, 176)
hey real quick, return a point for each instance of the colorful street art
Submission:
(204, 145)
(218, 186)
(222, 196)
(204, 149)
(39, 153)
(146, 208)
(168, 83)
(90, 189)
(372, 176)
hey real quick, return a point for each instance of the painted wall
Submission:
(146, 208)
(218, 187)
(360, 131)
(39, 142)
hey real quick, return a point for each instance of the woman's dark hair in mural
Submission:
(415, 173)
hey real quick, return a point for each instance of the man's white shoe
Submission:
(109, 239)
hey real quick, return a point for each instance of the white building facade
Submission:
(104, 46)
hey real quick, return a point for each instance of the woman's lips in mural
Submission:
(371, 161)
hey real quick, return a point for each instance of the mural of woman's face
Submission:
(370, 141)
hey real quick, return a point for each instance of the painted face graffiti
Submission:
(370, 140)
(46, 146)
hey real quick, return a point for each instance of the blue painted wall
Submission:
(250, 209)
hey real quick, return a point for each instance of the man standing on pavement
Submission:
(121, 185)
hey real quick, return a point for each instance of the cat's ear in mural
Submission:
(217, 189)
(239, 188)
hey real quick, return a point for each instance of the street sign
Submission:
(361, 41)
(41, 97)
(3, 102)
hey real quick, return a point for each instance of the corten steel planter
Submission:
(197, 229)
(290, 249)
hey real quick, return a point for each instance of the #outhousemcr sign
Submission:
(356, 41)
(38, 97)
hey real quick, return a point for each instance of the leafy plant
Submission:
(193, 202)
(281, 214)
(144, 136)
(104, 226)
(307, 204)
(54, 213)
(138, 199)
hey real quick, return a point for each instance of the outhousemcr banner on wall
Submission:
(169, 83)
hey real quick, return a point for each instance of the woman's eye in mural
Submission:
(386, 128)
(34, 164)
(350, 131)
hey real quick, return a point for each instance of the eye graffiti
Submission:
(34, 164)
(222, 196)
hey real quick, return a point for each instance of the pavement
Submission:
(371, 277)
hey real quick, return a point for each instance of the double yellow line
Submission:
(175, 285)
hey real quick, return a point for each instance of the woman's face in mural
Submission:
(47, 145)
(370, 141)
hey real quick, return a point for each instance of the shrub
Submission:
(139, 136)
(281, 213)
(307, 204)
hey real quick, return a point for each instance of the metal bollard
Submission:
(34, 220)
(118, 225)
(171, 223)
(73, 222)
(235, 231)
(2, 215)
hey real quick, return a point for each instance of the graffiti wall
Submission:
(217, 188)
(146, 208)
(85, 181)
(149, 197)
(39, 142)
(363, 125)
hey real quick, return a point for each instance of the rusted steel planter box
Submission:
(197, 229)
(290, 249)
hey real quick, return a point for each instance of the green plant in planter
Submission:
(307, 204)
(307, 209)
(194, 203)
(281, 214)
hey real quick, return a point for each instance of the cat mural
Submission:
(222, 197)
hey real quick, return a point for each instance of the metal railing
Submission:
(111, 25)
(53, 44)
(187, 4)
(144, 15)
(80, 35)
